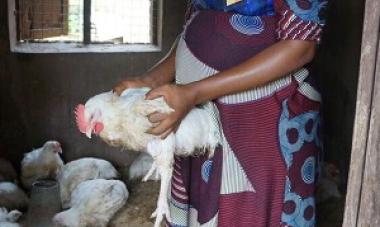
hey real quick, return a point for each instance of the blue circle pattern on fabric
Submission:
(297, 217)
(293, 197)
(300, 219)
(206, 170)
(299, 123)
(308, 170)
(248, 25)
(289, 147)
(311, 14)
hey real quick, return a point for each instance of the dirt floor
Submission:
(143, 197)
(141, 203)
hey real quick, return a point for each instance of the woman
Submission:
(248, 57)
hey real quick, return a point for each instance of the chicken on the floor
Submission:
(9, 218)
(78, 171)
(41, 163)
(93, 203)
(12, 196)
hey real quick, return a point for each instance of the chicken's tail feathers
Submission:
(80, 119)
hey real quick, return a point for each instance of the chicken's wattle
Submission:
(98, 128)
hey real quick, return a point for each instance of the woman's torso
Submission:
(215, 40)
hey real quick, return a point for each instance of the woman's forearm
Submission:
(269, 65)
(164, 71)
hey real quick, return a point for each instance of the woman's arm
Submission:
(162, 73)
(271, 64)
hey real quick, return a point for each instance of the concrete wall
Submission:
(39, 91)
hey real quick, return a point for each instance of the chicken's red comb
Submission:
(79, 117)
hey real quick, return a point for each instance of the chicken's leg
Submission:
(162, 152)
(162, 209)
(152, 169)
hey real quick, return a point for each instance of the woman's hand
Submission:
(131, 83)
(179, 97)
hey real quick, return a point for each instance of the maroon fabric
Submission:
(292, 27)
(295, 173)
(204, 196)
(211, 38)
(249, 129)
(240, 210)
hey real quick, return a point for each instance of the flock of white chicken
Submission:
(89, 191)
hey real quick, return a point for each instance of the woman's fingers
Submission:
(120, 87)
(177, 100)
(131, 83)
(161, 127)
(157, 92)
(165, 134)
(157, 117)
(173, 129)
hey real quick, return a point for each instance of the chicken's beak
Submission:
(88, 133)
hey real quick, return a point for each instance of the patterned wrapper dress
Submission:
(264, 172)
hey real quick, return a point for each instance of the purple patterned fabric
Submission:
(228, 46)
(244, 7)
(271, 142)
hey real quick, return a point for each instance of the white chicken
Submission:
(93, 204)
(75, 172)
(140, 167)
(122, 121)
(9, 219)
(41, 163)
(12, 197)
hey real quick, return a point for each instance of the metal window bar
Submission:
(87, 22)
(70, 21)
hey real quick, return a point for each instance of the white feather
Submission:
(9, 219)
(93, 204)
(12, 196)
(75, 172)
(41, 163)
(140, 167)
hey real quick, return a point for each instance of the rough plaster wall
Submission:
(39, 91)
(337, 65)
